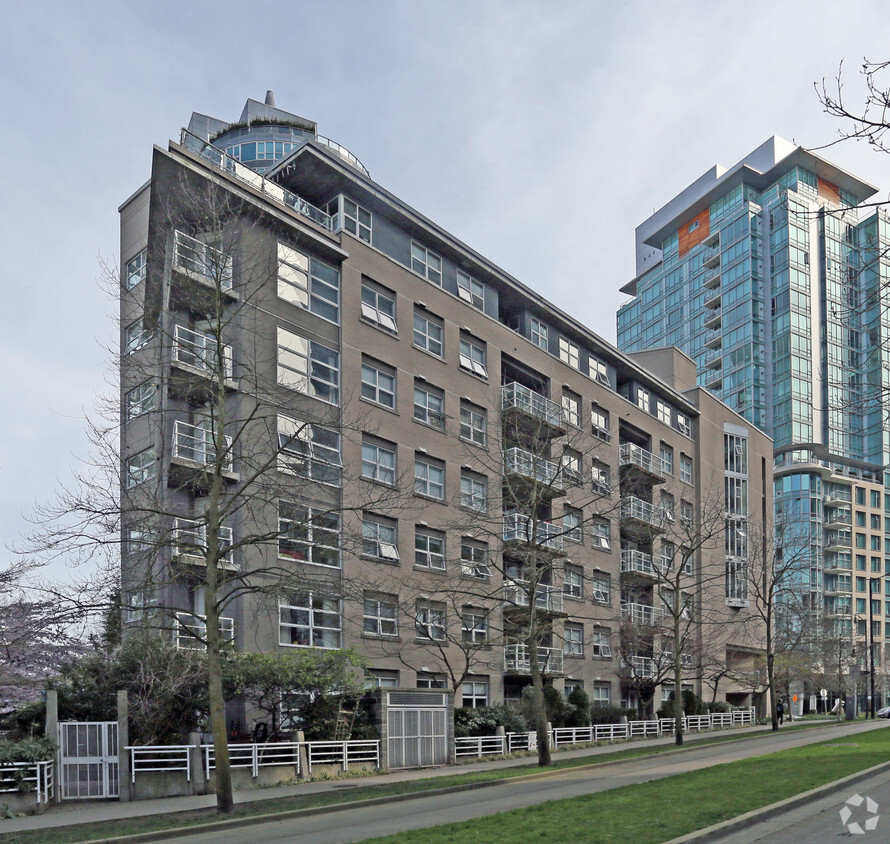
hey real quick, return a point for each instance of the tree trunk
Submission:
(678, 671)
(540, 712)
(225, 802)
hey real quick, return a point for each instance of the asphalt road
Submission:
(361, 823)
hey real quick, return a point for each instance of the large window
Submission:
(429, 333)
(427, 263)
(308, 534)
(473, 423)
(380, 615)
(308, 367)
(379, 305)
(429, 477)
(309, 451)
(136, 269)
(473, 356)
(308, 283)
(474, 625)
(141, 400)
(474, 559)
(470, 290)
(430, 620)
(378, 460)
(429, 404)
(136, 336)
(140, 468)
(473, 491)
(571, 523)
(429, 548)
(309, 620)
(573, 581)
(380, 537)
(378, 383)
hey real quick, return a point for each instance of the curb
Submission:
(717, 831)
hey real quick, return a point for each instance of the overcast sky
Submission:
(540, 133)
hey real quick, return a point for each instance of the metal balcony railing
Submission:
(519, 397)
(194, 256)
(838, 539)
(837, 516)
(191, 442)
(636, 561)
(641, 613)
(521, 528)
(642, 667)
(191, 631)
(190, 540)
(192, 348)
(547, 597)
(517, 658)
(518, 461)
(633, 455)
(642, 511)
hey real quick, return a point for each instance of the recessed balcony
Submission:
(540, 475)
(517, 593)
(517, 660)
(531, 412)
(713, 359)
(838, 497)
(202, 275)
(711, 278)
(193, 457)
(522, 531)
(641, 516)
(714, 340)
(713, 319)
(642, 614)
(710, 256)
(198, 363)
(637, 562)
(643, 464)
(190, 544)
(838, 517)
(713, 299)
(838, 540)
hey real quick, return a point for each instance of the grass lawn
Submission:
(355, 789)
(657, 811)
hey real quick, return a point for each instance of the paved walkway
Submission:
(77, 812)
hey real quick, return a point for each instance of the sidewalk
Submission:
(94, 811)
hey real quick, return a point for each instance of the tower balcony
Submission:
(837, 561)
(193, 454)
(710, 256)
(189, 545)
(713, 299)
(539, 474)
(202, 275)
(714, 359)
(714, 381)
(641, 516)
(517, 660)
(532, 412)
(642, 463)
(198, 363)
(838, 497)
(713, 319)
(522, 531)
(516, 595)
(711, 278)
(714, 340)
(838, 540)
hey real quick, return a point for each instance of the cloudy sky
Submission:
(540, 133)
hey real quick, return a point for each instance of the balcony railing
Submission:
(199, 351)
(241, 171)
(642, 667)
(517, 658)
(191, 631)
(198, 258)
(521, 528)
(518, 461)
(547, 598)
(712, 278)
(633, 455)
(190, 540)
(642, 511)
(519, 397)
(713, 358)
(636, 561)
(641, 613)
(842, 495)
(837, 516)
(193, 443)
(838, 560)
(838, 540)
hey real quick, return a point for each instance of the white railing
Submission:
(241, 171)
(482, 746)
(40, 774)
(518, 461)
(343, 753)
(192, 348)
(518, 658)
(641, 666)
(190, 540)
(191, 631)
(549, 598)
(521, 528)
(522, 398)
(160, 758)
(635, 508)
(632, 560)
(642, 613)
(634, 455)
(256, 756)
(192, 442)
(194, 256)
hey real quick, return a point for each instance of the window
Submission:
(602, 694)
(428, 333)
(429, 549)
(308, 283)
(470, 290)
(687, 513)
(379, 383)
(860, 519)
(684, 425)
(599, 645)
(474, 625)
(136, 336)
(540, 333)
(573, 639)
(473, 423)
(666, 557)
(309, 451)
(308, 367)
(598, 371)
(308, 534)
(473, 355)
(735, 451)
(380, 615)
(570, 686)
(572, 471)
(875, 543)
(309, 620)
(643, 399)
(378, 460)
(860, 496)
(474, 693)
(429, 405)
(663, 411)
(381, 679)
(356, 220)
(430, 620)
(573, 581)
(600, 475)
(427, 263)
(876, 499)
(667, 459)
(600, 535)
(379, 305)
(685, 469)
(429, 477)
(571, 524)
(571, 408)
(141, 399)
(474, 558)
(599, 418)
(601, 588)
(430, 681)
(568, 353)
(875, 564)
(140, 468)
(380, 537)
(875, 522)
(860, 540)
(136, 269)
(473, 491)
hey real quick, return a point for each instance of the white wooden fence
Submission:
(41, 774)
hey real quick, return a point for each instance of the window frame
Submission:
(313, 459)
(539, 333)
(432, 418)
(473, 411)
(305, 359)
(427, 534)
(473, 491)
(430, 618)
(424, 338)
(380, 472)
(311, 611)
(474, 558)
(473, 634)
(136, 269)
(428, 463)
(473, 355)
(137, 336)
(372, 389)
(466, 290)
(374, 609)
(422, 265)
(140, 468)
(141, 399)
(371, 312)
(321, 528)
(383, 532)
(573, 645)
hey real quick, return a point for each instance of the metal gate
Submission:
(88, 761)
(416, 733)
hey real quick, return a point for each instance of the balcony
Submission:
(531, 411)
(713, 359)
(713, 319)
(196, 362)
(833, 588)
(711, 279)
(714, 340)
(191, 631)
(686, 660)
(838, 517)
(636, 562)
(837, 561)
(838, 497)
(642, 614)
(639, 515)
(194, 457)
(644, 464)
(710, 256)
(838, 540)
(548, 599)
(714, 381)
(190, 544)
(201, 273)
(540, 474)
(713, 299)
(517, 660)
(639, 667)
(520, 529)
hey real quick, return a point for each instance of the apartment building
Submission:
(424, 459)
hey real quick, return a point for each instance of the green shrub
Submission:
(605, 714)
(484, 720)
(578, 714)
(719, 706)
(36, 749)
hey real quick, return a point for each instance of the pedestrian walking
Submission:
(780, 711)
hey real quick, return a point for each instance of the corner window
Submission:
(308, 367)
(141, 400)
(427, 263)
(470, 290)
(379, 305)
(136, 336)
(136, 269)
(379, 383)
(473, 356)
(140, 468)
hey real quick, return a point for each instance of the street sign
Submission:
(794, 698)
(823, 693)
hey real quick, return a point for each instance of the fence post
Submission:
(196, 763)
(123, 740)
(303, 770)
(52, 733)
(499, 731)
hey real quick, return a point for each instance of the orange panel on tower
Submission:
(694, 232)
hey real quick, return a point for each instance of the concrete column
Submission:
(196, 760)
(123, 741)
(304, 755)
(51, 731)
